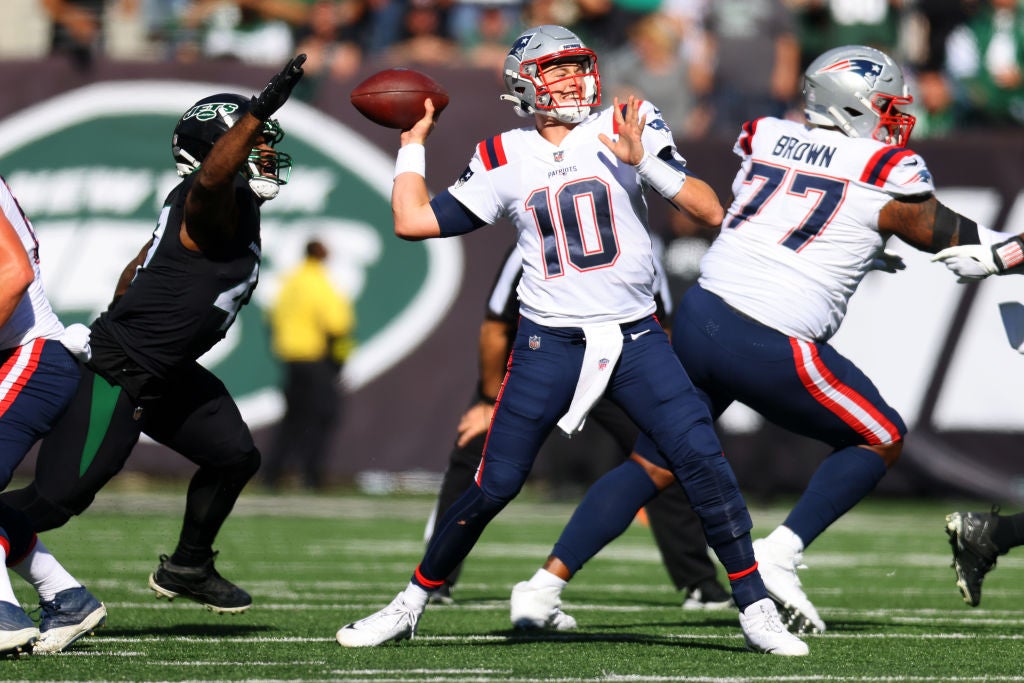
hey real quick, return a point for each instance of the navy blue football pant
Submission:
(808, 388)
(675, 526)
(648, 383)
(37, 381)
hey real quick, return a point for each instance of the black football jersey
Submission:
(182, 302)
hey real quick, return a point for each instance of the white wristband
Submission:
(412, 158)
(667, 181)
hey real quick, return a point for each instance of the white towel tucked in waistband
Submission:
(604, 344)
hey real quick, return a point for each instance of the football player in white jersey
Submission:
(814, 204)
(38, 378)
(572, 184)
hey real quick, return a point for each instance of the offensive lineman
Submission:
(814, 204)
(172, 304)
(572, 184)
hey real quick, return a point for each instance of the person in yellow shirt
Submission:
(311, 325)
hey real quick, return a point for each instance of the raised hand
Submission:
(627, 147)
(277, 91)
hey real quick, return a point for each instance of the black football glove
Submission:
(276, 93)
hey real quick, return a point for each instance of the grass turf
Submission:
(880, 578)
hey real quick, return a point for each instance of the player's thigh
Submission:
(824, 395)
(37, 382)
(541, 379)
(197, 417)
(651, 385)
(88, 445)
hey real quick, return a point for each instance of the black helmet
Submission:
(207, 120)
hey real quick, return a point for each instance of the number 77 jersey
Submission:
(803, 227)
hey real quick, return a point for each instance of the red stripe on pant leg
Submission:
(497, 402)
(834, 407)
(17, 371)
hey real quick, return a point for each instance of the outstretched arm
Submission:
(210, 207)
(926, 223)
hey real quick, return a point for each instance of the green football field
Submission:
(880, 578)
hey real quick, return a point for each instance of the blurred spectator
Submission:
(559, 12)
(166, 25)
(311, 327)
(331, 41)
(929, 23)
(602, 24)
(386, 17)
(424, 39)
(251, 31)
(933, 103)
(484, 30)
(824, 24)
(751, 66)
(984, 58)
(77, 29)
(652, 66)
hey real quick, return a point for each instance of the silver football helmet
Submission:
(536, 50)
(858, 89)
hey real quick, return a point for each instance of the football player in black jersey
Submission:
(171, 305)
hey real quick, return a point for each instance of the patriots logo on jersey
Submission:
(658, 124)
(923, 175)
(466, 175)
(868, 69)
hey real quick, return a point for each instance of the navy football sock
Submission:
(737, 556)
(839, 483)
(604, 513)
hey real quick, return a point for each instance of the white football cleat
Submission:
(539, 608)
(777, 567)
(396, 622)
(764, 632)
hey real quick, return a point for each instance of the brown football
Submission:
(394, 97)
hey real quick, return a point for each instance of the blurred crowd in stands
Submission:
(707, 63)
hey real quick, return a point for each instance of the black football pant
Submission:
(676, 527)
(194, 415)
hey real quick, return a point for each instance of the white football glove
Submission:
(888, 262)
(76, 341)
(971, 262)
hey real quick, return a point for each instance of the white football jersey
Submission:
(803, 228)
(580, 216)
(33, 318)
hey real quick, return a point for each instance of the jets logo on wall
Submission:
(92, 167)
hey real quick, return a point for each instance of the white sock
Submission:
(6, 591)
(43, 571)
(785, 537)
(545, 579)
(415, 596)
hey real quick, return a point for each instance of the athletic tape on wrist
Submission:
(666, 180)
(412, 158)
